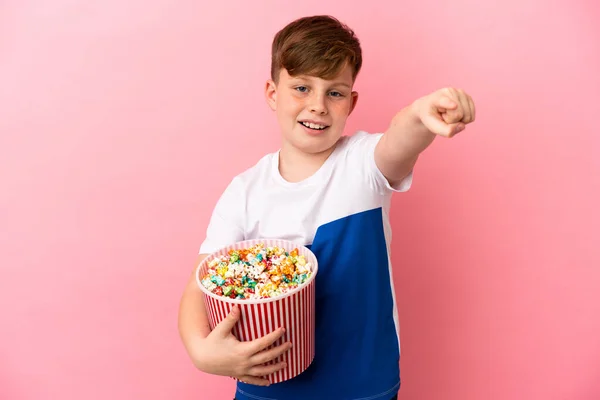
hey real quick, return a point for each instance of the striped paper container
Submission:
(295, 311)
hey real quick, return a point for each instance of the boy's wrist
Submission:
(409, 121)
(415, 111)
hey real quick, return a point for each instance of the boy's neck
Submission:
(296, 166)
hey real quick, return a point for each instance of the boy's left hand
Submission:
(446, 112)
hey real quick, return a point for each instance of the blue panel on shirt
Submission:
(357, 354)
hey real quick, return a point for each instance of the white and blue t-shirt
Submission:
(342, 214)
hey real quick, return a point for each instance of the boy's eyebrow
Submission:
(342, 84)
(310, 78)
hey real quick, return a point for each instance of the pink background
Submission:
(122, 121)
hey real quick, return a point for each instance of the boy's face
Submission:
(311, 111)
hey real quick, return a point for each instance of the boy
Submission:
(331, 193)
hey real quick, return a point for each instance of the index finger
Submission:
(262, 343)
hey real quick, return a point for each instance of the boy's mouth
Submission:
(313, 126)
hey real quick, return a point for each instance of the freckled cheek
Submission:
(292, 107)
(339, 108)
(296, 103)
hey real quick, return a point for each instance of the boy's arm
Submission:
(444, 112)
(193, 320)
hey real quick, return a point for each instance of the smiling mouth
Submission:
(315, 127)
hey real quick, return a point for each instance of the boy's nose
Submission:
(318, 106)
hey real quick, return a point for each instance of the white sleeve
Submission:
(226, 224)
(361, 152)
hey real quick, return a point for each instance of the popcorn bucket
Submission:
(293, 310)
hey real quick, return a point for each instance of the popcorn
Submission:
(257, 272)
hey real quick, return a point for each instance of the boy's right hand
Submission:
(221, 353)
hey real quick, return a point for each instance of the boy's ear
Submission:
(354, 101)
(271, 94)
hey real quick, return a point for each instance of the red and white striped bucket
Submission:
(295, 311)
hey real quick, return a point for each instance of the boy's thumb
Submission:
(227, 324)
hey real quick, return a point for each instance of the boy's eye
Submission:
(335, 94)
(302, 89)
